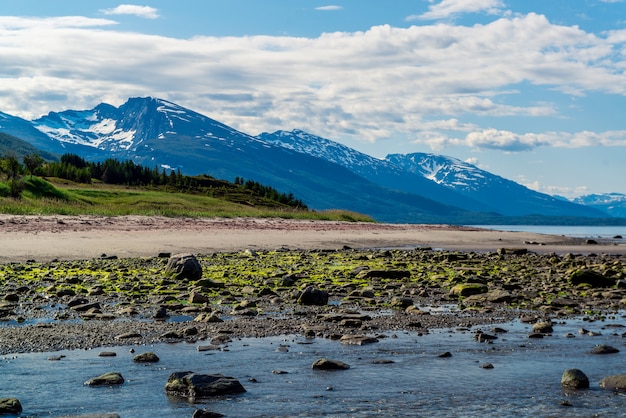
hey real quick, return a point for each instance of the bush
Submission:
(16, 187)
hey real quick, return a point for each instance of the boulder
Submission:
(195, 297)
(604, 349)
(183, 267)
(357, 340)
(543, 327)
(574, 379)
(107, 379)
(148, 357)
(10, 406)
(203, 413)
(401, 302)
(192, 385)
(468, 289)
(326, 364)
(591, 278)
(615, 382)
(312, 296)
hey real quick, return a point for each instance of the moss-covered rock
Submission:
(468, 289)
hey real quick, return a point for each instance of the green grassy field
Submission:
(54, 196)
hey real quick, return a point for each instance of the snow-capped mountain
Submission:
(382, 172)
(155, 132)
(324, 174)
(442, 178)
(505, 196)
(614, 204)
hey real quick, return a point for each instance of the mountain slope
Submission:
(156, 132)
(506, 196)
(381, 172)
(10, 145)
(614, 204)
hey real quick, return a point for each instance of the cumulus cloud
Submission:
(329, 8)
(146, 12)
(448, 8)
(418, 82)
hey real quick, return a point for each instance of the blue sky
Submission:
(532, 90)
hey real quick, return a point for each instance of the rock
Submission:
(445, 355)
(183, 267)
(615, 382)
(604, 349)
(192, 385)
(92, 416)
(401, 302)
(107, 354)
(512, 251)
(148, 357)
(486, 366)
(326, 364)
(160, 313)
(384, 274)
(11, 297)
(203, 413)
(574, 379)
(312, 296)
(128, 336)
(10, 406)
(357, 340)
(414, 310)
(208, 317)
(468, 289)
(195, 297)
(591, 278)
(107, 379)
(543, 327)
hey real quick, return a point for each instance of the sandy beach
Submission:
(44, 238)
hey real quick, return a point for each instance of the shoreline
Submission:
(45, 238)
(122, 245)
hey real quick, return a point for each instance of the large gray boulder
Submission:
(192, 385)
(574, 379)
(326, 364)
(184, 267)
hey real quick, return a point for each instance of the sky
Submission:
(531, 90)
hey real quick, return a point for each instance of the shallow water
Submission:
(525, 380)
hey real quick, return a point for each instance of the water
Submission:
(525, 380)
(605, 232)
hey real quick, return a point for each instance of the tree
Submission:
(10, 166)
(32, 162)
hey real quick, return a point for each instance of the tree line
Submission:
(111, 171)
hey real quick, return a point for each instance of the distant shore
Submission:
(44, 238)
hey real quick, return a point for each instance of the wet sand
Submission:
(45, 238)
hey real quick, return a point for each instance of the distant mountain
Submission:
(445, 179)
(324, 174)
(155, 132)
(614, 204)
(382, 172)
(504, 196)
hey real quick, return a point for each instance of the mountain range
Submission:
(413, 188)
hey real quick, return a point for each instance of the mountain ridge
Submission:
(152, 131)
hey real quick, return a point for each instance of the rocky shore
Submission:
(107, 301)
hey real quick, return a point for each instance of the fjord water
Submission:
(525, 379)
(605, 232)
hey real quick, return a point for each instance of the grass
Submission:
(43, 197)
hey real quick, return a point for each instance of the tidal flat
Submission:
(88, 303)
(389, 313)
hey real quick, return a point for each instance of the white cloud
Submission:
(448, 8)
(418, 82)
(329, 8)
(146, 12)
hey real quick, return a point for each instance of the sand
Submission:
(45, 238)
